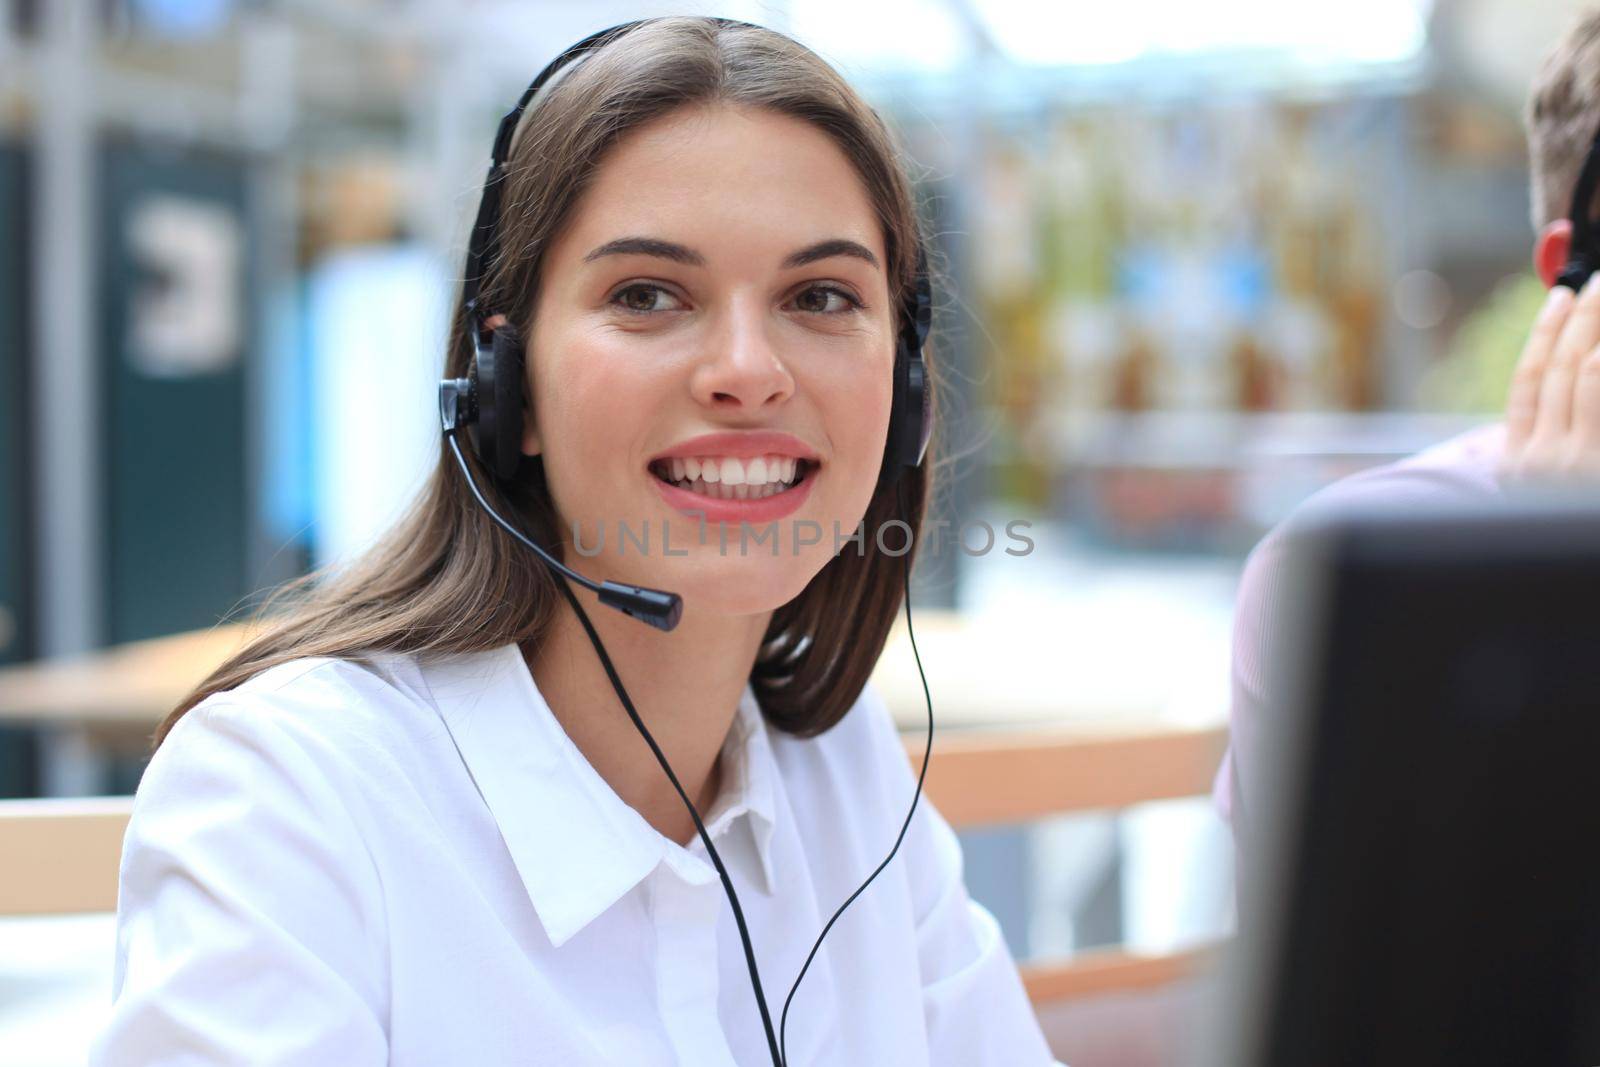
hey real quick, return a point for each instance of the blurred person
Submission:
(1551, 429)
(409, 823)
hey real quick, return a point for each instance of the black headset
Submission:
(1583, 254)
(495, 380)
(489, 401)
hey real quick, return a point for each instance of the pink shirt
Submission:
(1458, 470)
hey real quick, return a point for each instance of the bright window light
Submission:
(882, 36)
(1075, 32)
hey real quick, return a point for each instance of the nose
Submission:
(743, 371)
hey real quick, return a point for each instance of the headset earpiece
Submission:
(910, 417)
(911, 411)
(498, 373)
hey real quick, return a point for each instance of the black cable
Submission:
(722, 872)
(651, 606)
(562, 572)
(926, 755)
(557, 565)
(776, 1047)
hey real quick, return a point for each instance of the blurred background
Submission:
(1201, 260)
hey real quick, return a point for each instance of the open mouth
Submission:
(720, 478)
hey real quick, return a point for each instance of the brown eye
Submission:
(642, 298)
(826, 300)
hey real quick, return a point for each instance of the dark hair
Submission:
(1561, 113)
(446, 579)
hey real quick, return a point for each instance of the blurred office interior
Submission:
(1200, 260)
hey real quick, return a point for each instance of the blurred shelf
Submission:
(130, 685)
(1175, 440)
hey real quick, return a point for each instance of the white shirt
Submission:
(314, 874)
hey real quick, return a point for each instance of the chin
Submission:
(735, 585)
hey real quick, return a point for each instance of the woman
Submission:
(411, 823)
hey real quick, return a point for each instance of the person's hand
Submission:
(1553, 413)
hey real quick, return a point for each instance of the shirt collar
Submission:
(577, 846)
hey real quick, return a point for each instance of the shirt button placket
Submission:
(686, 970)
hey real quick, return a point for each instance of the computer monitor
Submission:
(1421, 881)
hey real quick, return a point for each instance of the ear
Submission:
(1550, 250)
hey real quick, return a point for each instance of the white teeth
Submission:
(728, 478)
(724, 491)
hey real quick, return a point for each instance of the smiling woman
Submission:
(409, 823)
(723, 273)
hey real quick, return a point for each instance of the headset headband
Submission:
(911, 422)
(485, 239)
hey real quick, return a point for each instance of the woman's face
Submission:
(723, 274)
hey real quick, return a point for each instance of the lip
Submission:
(743, 444)
(768, 509)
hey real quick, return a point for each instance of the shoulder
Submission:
(259, 836)
(871, 750)
(861, 736)
(312, 724)
(1462, 469)
(861, 758)
(327, 697)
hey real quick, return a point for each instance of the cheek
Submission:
(585, 403)
(867, 405)
(857, 414)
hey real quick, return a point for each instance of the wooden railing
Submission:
(61, 857)
(990, 779)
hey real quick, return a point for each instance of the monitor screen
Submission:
(1421, 883)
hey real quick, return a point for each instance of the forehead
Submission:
(722, 174)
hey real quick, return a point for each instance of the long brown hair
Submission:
(445, 579)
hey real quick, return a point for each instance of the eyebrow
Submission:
(651, 246)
